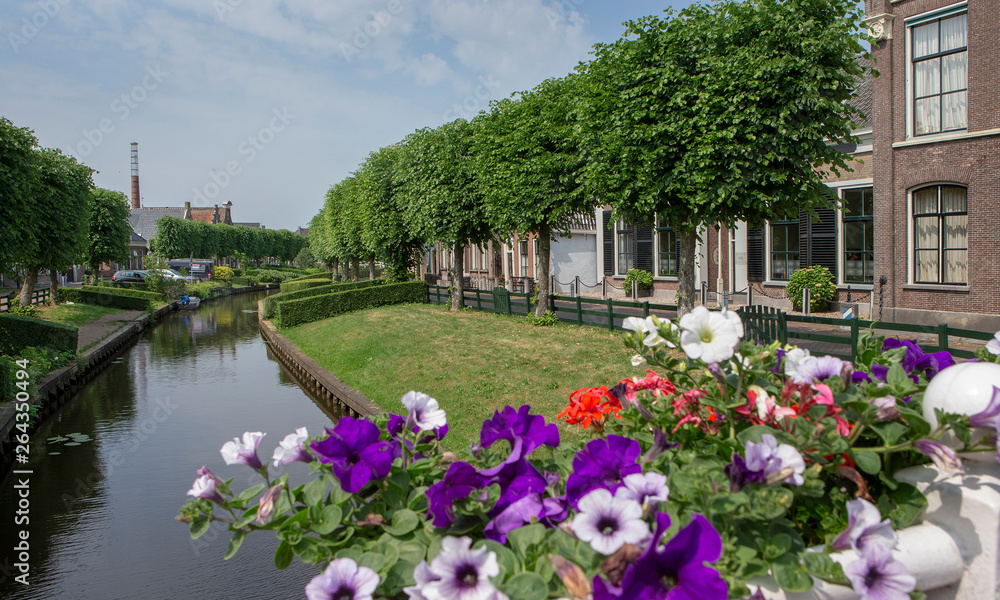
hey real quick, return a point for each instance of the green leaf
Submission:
(776, 546)
(251, 492)
(309, 550)
(199, 525)
(283, 556)
(867, 461)
(790, 575)
(313, 492)
(821, 566)
(352, 553)
(234, 544)
(526, 586)
(329, 519)
(372, 560)
(524, 538)
(728, 503)
(907, 503)
(890, 431)
(402, 522)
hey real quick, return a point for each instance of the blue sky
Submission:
(267, 103)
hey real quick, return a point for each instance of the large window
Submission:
(523, 246)
(784, 248)
(667, 251)
(940, 233)
(940, 60)
(859, 236)
(626, 243)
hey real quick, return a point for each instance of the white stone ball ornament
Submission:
(963, 389)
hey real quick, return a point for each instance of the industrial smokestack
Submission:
(135, 175)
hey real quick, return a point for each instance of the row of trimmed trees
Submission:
(180, 238)
(715, 115)
(51, 215)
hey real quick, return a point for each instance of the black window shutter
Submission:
(644, 247)
(805, 221)
(609, 244)
(818, 240)
(755, 254)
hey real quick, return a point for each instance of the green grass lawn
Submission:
(75, 314)
(472, 363)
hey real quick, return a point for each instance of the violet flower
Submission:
(292, 448)
(885, 408)
(609, 522)
(916, 360)
(774, 459)
(602, 463)
(865, 527)
(993, 346)
(820, 368)
(423, 411)
(878, 576)
(523, 431)
(343, 579)
(989, 416)
(265, 509)
(740, 476)
(245, 452)
(675, 571)
(354, 453)
(205, 487)
(646, 487)
(944, 458)
(458, 482)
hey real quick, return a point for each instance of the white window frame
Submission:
(910, 22)
(656, 252)
(840, 187)
(911, 267)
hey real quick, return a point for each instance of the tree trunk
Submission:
(458, 292)
(687, 293)
(53, 286)
(543, 274)
(335, 266)
(371, 267)
(30, 278)
(355, 270)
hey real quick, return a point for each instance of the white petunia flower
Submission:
(793, 358)
(423, 412)
(994, 345)
(462, 573)
(646, 487)
(608, 523)
(291, 449)
(710, 336)
(245, 452)
(638, 360)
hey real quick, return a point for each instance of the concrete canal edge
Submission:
(60, 385)
(319, 380)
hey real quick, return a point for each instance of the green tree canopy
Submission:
(17, 178)
(110, 232)
(386, 233)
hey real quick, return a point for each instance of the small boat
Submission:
(188, 302)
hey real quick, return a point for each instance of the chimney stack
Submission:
(135, 176)
(228, 218)
(187, 211)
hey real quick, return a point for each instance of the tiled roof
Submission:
(143, 220)
(255, 225)
(137, 239)
(862, 99)
(203, 214)
(304, 231)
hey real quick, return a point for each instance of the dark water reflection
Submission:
(102, 512)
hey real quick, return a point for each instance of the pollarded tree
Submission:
(533, 168)
(722, 114)
(345, 223)
(17, 176)
(110, 232)
(442, 196)
(386, 232)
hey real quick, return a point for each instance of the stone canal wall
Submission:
(56, 388)
(312, 376)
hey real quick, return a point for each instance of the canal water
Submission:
(103, 501)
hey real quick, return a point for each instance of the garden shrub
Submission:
(270, 276)
(302, 284)
(641, 277)
(134, 293)
(819, 280)
(271, 302)
(306, 310)
(15, 308)
(244, 281)
(107, 299)
(18, 333)
(223, 273)
(8, 371)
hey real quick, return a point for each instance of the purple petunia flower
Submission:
(292, 449)
(944, 458)
(878, 576)
(989, 417)
(676, 571)
(395, 425)
(245, 452)
(205, 487)
(774, 459)
(864, 528)
(885, 408)
(602, 464)
(740, 476)
(523, 431)
(354, 453)
(458, 482)
(820, 368)
(916, 360)
(343, 579)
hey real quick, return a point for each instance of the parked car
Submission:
(174, 275)
(199, 268)
(129, 276)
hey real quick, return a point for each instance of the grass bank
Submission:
(472, 363)
(76, 314)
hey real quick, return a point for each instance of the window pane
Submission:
(927, 266)
(793, 238)
(956, 231)
(953, 110)
(869, 201)
(778, 237)
(927, 77)
(953, 69)
(869, 237)
(926, 231)
(925, 201)
(956, 266)
(870, 268)
(854, 236)
(953, 199)
(925, 40)
(954, 32)
(853, 203)
(928, 116)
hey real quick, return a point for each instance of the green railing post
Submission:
(479, 302)
(645, 309)
(854, 340)
(782, 328)
(942, 337)
(552, 302)
(611, 316)
(510, 309)
(527, 299)
(579, 311)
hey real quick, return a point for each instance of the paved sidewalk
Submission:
(91, 333)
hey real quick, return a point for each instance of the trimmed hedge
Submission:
(18, 333)
(271, 302)
(302, 284)
(134, 293)
(103, 299)
(243, 281)
(306, 310)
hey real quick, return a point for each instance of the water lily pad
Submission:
(57, 439)
(54, 453)
(72, 444)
